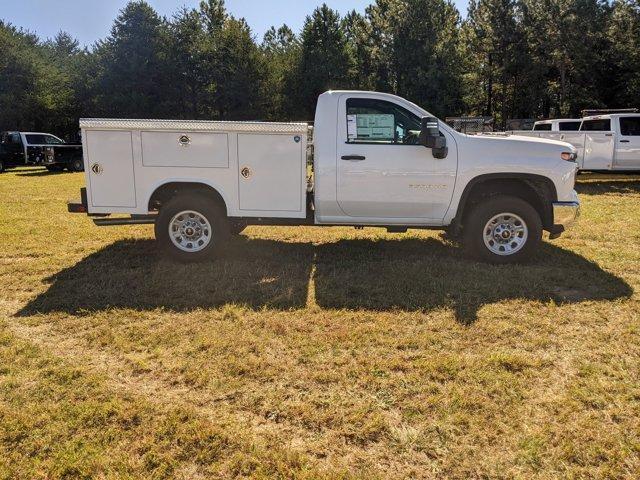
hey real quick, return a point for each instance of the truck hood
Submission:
(515, 153)
(520, 146)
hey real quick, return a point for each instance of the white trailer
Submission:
(376, 160)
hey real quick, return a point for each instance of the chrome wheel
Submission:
(505, 234)
(190, 231)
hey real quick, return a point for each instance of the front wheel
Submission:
(502, 229)
(191, 228)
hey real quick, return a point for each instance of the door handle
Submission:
(624, 141)
(354, 158)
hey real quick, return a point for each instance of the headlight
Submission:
(569, 156)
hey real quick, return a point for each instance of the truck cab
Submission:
(370, 159)
(371, 167)
(607, 142)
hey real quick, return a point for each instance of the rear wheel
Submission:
(1, 166)
(191, 228)
(502, 229)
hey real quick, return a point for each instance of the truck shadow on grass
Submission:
(600, 185)
(388, 275)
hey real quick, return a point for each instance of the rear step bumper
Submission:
(73, 206)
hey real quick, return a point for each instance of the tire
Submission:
(513, 230)
(196, 215)
(76, 165)
(2, 169)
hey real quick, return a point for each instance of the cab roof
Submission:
(544, 122)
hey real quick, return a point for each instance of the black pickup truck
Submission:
(33, 148)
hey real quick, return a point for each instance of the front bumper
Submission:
(565, 214)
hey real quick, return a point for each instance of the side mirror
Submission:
(431, 138)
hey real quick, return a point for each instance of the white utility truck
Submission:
(371, 159)
(604, 142)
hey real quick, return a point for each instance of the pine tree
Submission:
(498, 75)
(20, 69)
(214, 14)
(240, 73)
(186, 52)
(134, 78)
(325, 62)
(623, 59)
(568, 48)
(281, 51)
(358, 33)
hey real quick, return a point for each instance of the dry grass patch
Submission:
(316, 353)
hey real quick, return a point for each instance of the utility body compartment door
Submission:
(109, 166)
(271, 173)
(185, 149)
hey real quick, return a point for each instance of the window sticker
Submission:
(352, 126)
(376, 126)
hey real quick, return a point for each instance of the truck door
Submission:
(382, 171)
(628, 144)
(598, 144)
(14, 153)
(577, 140)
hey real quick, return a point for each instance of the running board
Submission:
(133, 220)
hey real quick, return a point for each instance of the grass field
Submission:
(315, 353)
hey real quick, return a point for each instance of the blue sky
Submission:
(90, 20)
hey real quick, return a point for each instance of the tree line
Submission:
(505, 59)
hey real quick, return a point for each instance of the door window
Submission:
(41, 139)
(630, 126)
(603, 125)
(544, 127)
(375, 121)
(35, 139)
(51, 140)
